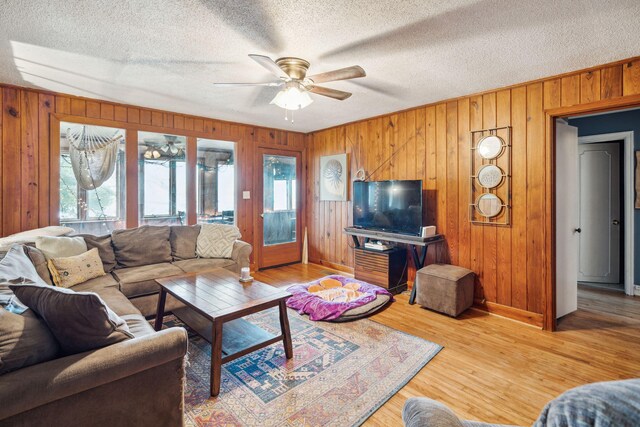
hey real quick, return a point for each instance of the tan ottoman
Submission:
(445, 288)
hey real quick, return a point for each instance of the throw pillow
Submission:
(183, 241)
(61, 247)
(103, 243)
(17, 266)
(80, 321)
(141, 246)
(24, 341)
(70, 271)
(29, 236)
(216, 240)
(39, 261)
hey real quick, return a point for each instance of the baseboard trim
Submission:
(333, 265)
(524, 316)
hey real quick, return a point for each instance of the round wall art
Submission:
(490, 147)
(490, 176)
(489, 205)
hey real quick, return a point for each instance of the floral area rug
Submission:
(340, 374)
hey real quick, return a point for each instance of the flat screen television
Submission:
(390, 206)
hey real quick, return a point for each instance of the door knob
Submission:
(615, 222)
(577, 230)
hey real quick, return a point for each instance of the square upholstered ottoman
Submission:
(445, 288)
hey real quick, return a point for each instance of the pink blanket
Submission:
(318, 308)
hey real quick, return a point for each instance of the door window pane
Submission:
(216, 189)
(279, 199)
(162, 179)
(92, 178)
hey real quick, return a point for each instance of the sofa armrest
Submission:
(240, 254)
(46, 382)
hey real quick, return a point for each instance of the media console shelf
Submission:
(361, 236)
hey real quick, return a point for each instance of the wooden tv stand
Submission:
(360, 236)
(387, 269)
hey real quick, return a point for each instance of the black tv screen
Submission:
(391, 206)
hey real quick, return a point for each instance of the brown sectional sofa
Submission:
(135, 382)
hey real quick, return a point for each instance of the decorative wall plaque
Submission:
(490, 177)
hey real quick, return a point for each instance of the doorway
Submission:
(594, 211)
(279, 201)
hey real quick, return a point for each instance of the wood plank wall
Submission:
(28, 185)
(432, 144)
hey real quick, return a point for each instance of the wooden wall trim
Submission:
(514, 265)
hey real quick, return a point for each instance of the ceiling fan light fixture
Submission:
(292, 98)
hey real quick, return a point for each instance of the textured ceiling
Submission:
(164, 54)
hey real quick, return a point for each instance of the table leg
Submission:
(160, 309)
(216, 357)
(286, 333)
(418, 264)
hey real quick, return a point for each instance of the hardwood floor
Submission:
(497, 370)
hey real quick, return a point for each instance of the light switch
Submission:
(246, 195)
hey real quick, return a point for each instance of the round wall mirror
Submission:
(490, 176)
(490, 147)
(489, 205)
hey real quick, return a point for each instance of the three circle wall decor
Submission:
(490, 178)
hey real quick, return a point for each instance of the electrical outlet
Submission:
(246, 195)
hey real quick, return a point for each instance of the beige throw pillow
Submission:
(70, 271)
(30, 236)
(216, 240)
(80, 321)
(61, 247)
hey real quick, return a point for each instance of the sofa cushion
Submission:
(136, 281)
(17, 265)
(202, 264)
(70, 271)
(80, 321)
(183, 240)
(138, 325)
(216, 240)
(24, 341)
(117, 302)
(141, 246)
(103, 243)
(97, 284)
(61, 247)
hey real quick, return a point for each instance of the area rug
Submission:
(340, 374)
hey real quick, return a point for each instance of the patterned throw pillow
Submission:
(216, 240)
(67, 272)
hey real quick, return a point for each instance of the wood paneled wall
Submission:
(432, 144)
(28, 183)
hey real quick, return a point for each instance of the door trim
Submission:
(605, 105)
(628, 185)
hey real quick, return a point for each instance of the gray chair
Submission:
(612, 403)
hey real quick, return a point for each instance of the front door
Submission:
(600, 210)
(279, 210)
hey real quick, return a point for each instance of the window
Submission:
(92, 178)
(216, 190)
(162, 179)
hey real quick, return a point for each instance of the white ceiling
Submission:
(165, 54)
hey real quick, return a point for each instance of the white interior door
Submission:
(567, 219)
(600, 213)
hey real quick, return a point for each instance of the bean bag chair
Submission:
(337, 298)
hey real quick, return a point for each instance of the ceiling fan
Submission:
(292, 74)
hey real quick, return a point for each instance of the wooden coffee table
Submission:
(215, 302)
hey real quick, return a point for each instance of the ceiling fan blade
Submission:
(341, 74)
(248, 84)
(331, 93)
(270, 65)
